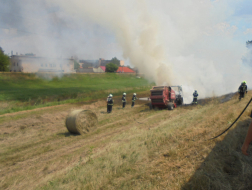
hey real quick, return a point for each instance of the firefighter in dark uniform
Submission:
(110, 103)
(107, 103)
(124, 100)
(242, 89)
(169, 93)
(195, 97)
(133, 100)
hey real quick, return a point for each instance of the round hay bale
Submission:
(81, 121)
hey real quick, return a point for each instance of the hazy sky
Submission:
(35, 26)
(24, 20)
(196, 43)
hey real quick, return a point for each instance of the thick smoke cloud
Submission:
(173, 42)
(47, 30)
(188, 43)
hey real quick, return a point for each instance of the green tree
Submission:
(115, 61)
(76, 65)
(4, 61)
(111, 67)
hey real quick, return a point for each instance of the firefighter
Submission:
(195, 96)
(107, 103)
(133, 100)
(169, 93)
(110, 103)
(242, 89)
(124, 100)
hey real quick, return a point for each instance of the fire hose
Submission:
(233, 122)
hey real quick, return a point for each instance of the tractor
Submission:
(166, 97)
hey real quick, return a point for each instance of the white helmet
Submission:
(134, 94)
(124, 94)
(111, 95)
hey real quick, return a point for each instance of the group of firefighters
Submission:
(110, 101)
(241, 90)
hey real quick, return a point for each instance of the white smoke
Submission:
(175, 42)
(188, 43)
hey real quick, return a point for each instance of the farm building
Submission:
(100, 69)
(30, 63)
(124, 70)
(97, 63)
(85, 70)
(89, 63)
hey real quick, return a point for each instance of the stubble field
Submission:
(132, 148)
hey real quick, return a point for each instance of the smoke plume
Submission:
(188, 43)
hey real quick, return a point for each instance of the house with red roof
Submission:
(103, 68)
(124, 70)
(100, 69)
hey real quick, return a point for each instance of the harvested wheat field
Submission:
(131, 148)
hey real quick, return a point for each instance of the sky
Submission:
(28, 26)
(199, 44)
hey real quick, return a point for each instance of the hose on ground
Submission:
(233, 122)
